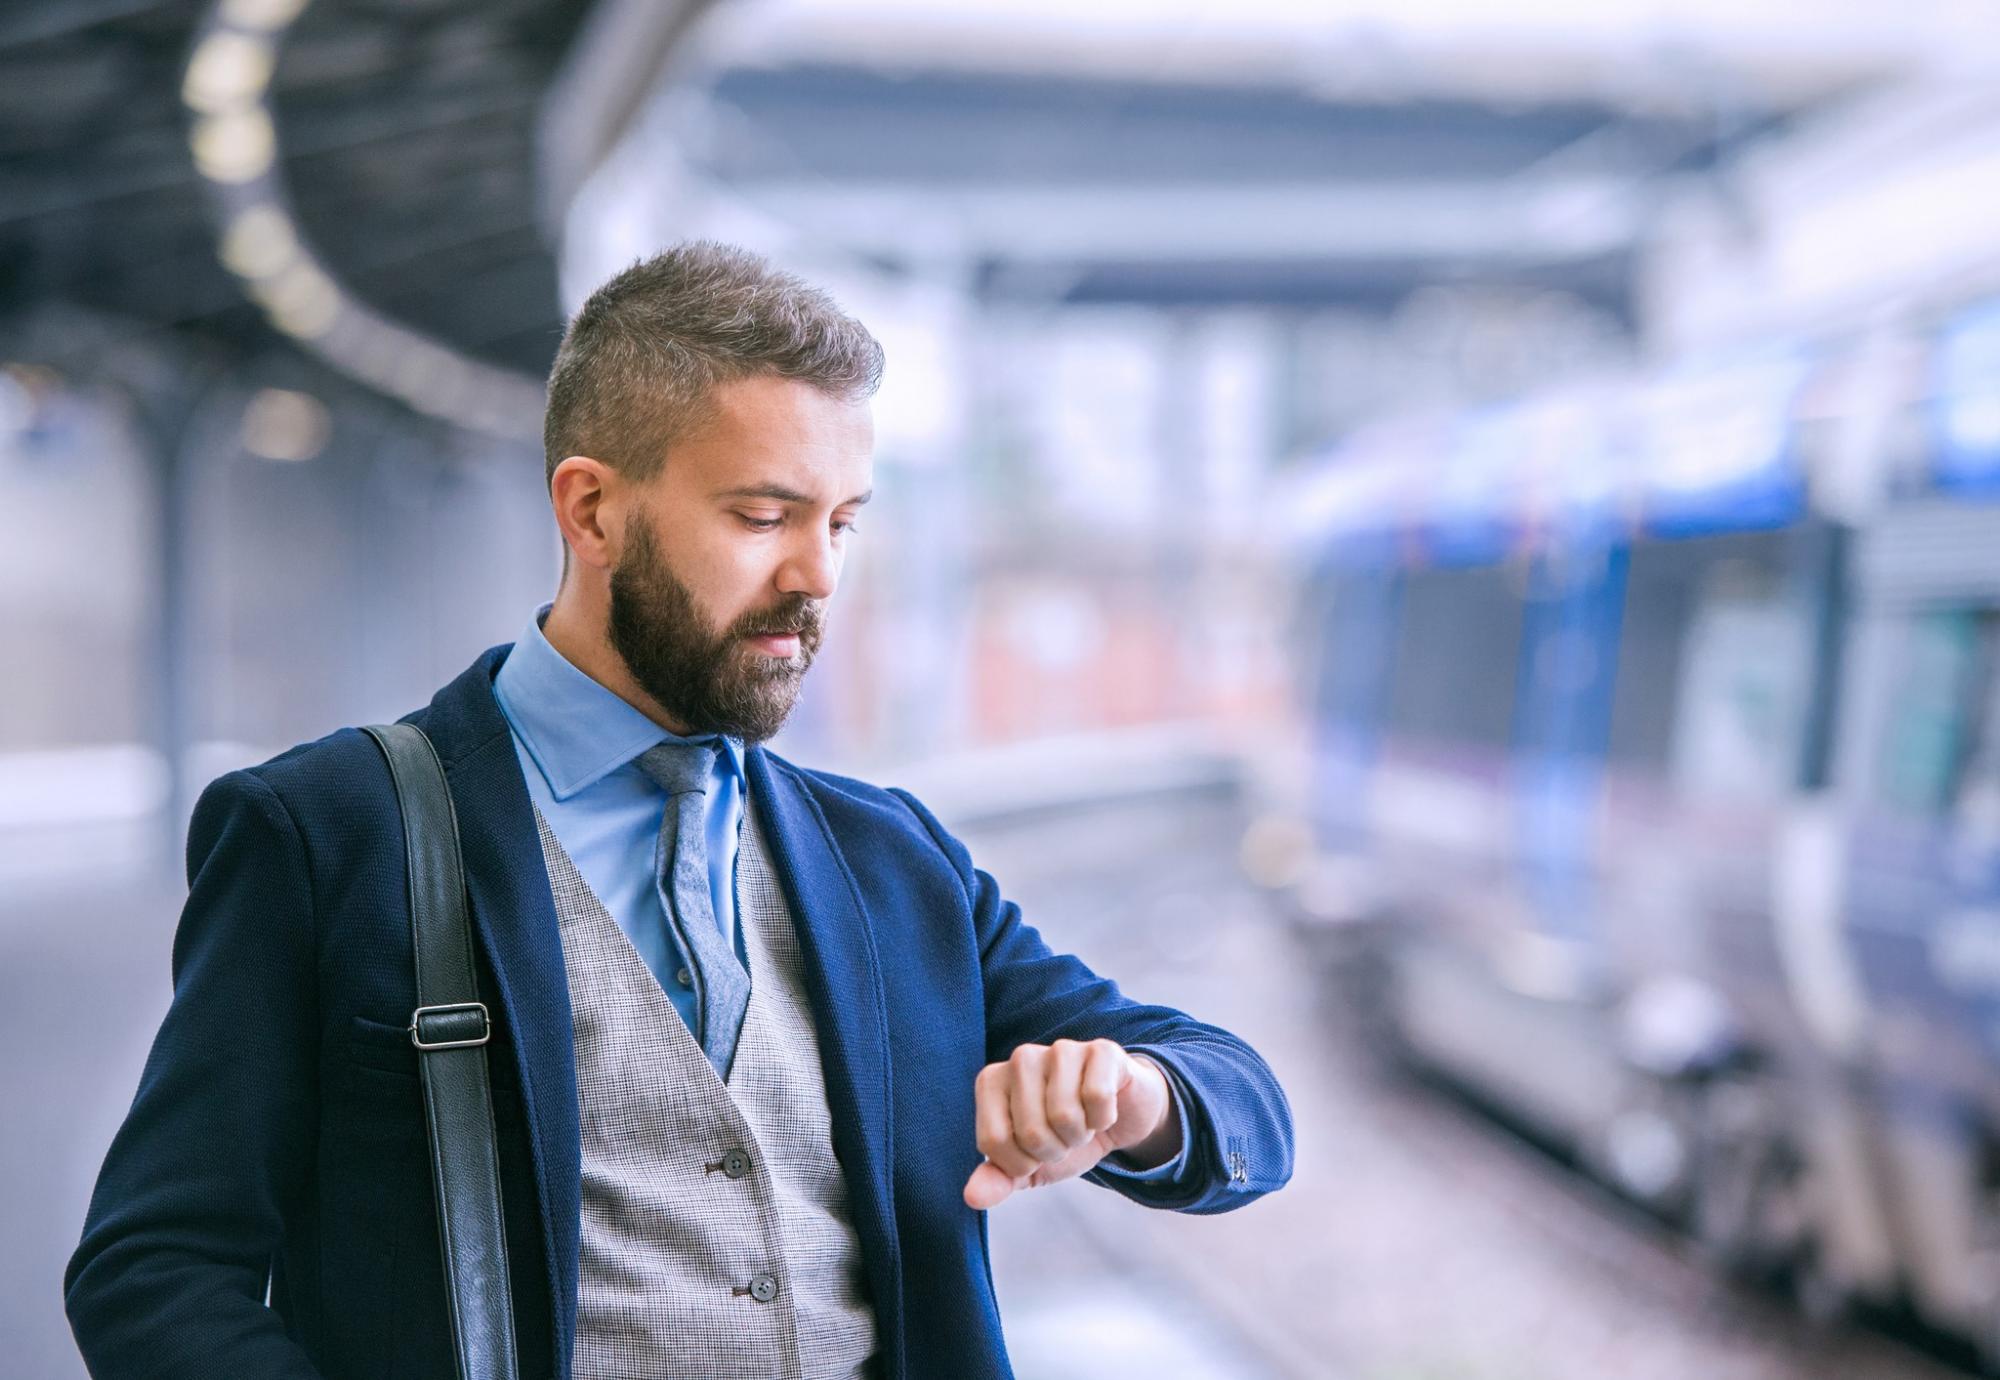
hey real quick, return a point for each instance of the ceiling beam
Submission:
(1478, 221)
(612, 68)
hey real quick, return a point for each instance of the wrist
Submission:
(1163, 1141)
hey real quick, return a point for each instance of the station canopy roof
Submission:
(414, 139)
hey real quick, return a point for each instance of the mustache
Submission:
(804, 617)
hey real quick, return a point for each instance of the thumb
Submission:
(988, 1187)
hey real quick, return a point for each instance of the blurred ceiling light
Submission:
(17, 404)
(38, 379)
(1276, 850)
(234, 141)
(261, 14)
(301, 299)
(259, 242)
(236, 146)
(229, 70)
(280, 424)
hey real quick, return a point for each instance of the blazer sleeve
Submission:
(169, 1279)
(1239, 1120)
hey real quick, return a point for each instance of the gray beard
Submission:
(709, 683)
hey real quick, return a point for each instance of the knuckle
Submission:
(1042, 1145)
(1030, 1136)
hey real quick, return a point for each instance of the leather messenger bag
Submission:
(450, 1028)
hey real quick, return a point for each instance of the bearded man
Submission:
(764, 1045)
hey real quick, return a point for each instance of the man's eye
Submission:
(847, 526)
(757, 524)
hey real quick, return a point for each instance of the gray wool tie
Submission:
(680, 868)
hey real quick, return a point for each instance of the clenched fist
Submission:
(1050, 1112)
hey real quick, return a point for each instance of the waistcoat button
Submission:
(735, 1163)
(684, 977)
(764, 1288)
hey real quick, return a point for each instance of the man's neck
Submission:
(569, 629)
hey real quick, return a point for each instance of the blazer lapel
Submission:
(844, 981)
(513, 914)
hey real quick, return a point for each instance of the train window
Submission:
(1976, 801)
(1457, 648)
(1354, 616)
(1714, 666)
(1931, 729)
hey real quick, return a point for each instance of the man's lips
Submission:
(775, 644)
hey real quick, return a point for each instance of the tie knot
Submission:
(679, 766)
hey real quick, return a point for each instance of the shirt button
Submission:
(735, 1163)
(684, 978)
(764, 1288)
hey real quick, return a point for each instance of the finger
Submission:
(1062, 1102)
(988, 1187)
(1025, 1100)
(1104, 1073)
(993, 1121)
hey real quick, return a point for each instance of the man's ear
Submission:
(581, 491)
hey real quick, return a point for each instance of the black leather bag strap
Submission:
(450, 1029)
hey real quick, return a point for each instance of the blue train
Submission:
(1656, 784)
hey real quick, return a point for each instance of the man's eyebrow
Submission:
(780, 493)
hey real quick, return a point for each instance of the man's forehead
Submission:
(778, 405)
(779, 439)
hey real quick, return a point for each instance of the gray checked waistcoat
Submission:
(716, 1237)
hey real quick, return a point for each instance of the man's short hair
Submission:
(637, 363)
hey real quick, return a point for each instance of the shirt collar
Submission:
(576, 730)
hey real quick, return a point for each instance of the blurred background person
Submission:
(1495, 503)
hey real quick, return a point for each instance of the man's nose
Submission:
(812, 568)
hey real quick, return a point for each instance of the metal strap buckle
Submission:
(485, 1025)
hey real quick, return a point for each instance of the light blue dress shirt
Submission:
(579, 745)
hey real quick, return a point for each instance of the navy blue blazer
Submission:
(277, 1134)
